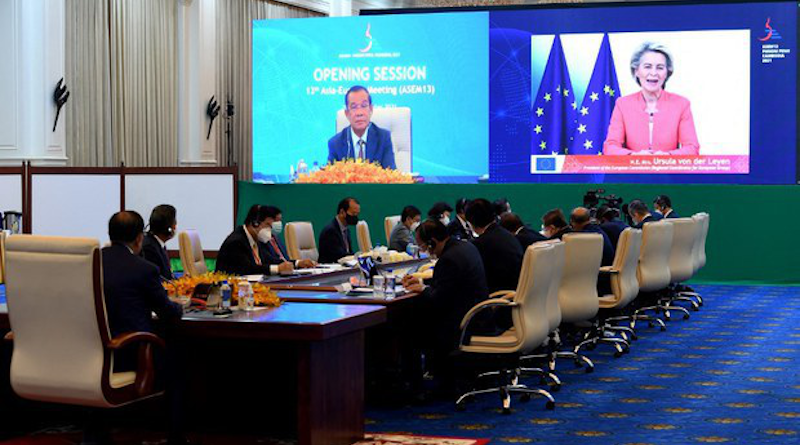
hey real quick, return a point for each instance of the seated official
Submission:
(275, 249)
(500, 251)
(361, 139)
(554, 224)
(640, 214)
(581, 221)
(501, 206)
(162, 229)
(458, 284)
(663, 206)
(334, 240)
(525, 235)
(610, 223)
(402, 233)
(441, 211)
(245, 251)
(459, 227)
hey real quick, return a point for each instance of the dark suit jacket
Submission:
(458, 284)
(133, 291)
(457, 230)
(672, 214)
(608, 248)
(331, 243)
(613, 229)
(236, 257)
(276, 258)
(562, 232)
(379, 146)
(502, 257)
(527, 236)
(652, 217)
(152, 252)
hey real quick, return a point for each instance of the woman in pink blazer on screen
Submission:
(651, 121)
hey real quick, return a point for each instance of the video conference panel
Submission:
(700, 93)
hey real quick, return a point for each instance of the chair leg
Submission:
(527, 392)
(546, 377)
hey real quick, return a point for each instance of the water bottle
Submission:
(302, 167)
(245, 296)
(226, 295)
(390, 283)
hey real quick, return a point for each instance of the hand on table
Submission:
(286, 267)
(306, 263)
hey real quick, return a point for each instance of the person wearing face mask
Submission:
(663, 205)
(334, 240)
(651, 121)
(441, 211)
(640, 214)
(500, 251)
(162, 226)
(458, 284)
(246, 252)
(401, 234)
(276, 249)
(554, 224)
(459, 227)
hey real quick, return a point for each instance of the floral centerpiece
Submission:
(185, 285)
(355, 171)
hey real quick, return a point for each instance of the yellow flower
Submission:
(355, 171)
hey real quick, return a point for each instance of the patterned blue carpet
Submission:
(730, 374)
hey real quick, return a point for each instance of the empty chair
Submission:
(653, 269)
(63, 349)
(624, 284)
(698, 254)
(530, 327)
(191, 251)
(685, 237)
(362, 234)
(388, 224)
(301, 242)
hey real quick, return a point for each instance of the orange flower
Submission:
(355, 171)
(185, 285)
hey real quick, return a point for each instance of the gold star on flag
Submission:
(587, 145)
(611, 92)
(594, 97)
(582, 128)
(574, 105)
(538, 129)
(543, 145)
(539, 112)
(584, 111)
(606, 89)
(547, 97)
(566, 93)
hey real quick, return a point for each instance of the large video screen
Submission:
(701, 93)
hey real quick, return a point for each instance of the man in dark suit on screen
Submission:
(334, 240)
(362, 139)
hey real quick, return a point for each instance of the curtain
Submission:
(234, 72)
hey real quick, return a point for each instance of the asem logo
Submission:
(369, 43)
(546, 164)
(770, 32)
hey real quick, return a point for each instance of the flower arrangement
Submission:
(355, 171)
(263, 295)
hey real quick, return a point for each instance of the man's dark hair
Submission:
(438, 209)
(606, 213)
(638, 207)
(256, 215)
(663, 201)
(501, 206)
(345, 204)
(162, 218)
(272, 211)
(124, 227)
(354, 89)
(432, 229)
(409, 212)
(554, 218)
(461, 205)
(511, 222)
(580, 217)
(480, 212)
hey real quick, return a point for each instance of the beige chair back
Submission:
(553, 308)
(58, 316)
(703, 236)
(530, 320)
(301, 242)
(398, 121)
(362, 234)
(681, 261)
(191, 251)
(388, 225)
(577, 294)
(2, 256)
(653, 270)
(624, 284)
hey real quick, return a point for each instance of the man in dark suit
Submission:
(459, 227)
(133, 291)
(500, 251)
(245, 251)
(361, 139)
(610, 223)
(162, 229)
(275, 248)
(640, 214)
(555, 224)
(581, 221)
(458, 284)
(663, 205)
(525, 235)
(334, 240)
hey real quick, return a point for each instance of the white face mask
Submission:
(264, 235)
(414, 225)
(277, 227)
(445, 220)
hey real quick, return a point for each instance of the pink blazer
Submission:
(673, 125)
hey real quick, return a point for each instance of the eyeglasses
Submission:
(355, 106)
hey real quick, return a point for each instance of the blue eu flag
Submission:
(594, 115)
(545, 164)
(554, 108)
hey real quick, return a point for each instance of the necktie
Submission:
(255, 254)
(361, 149)
(277, 249)
(345, 235)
